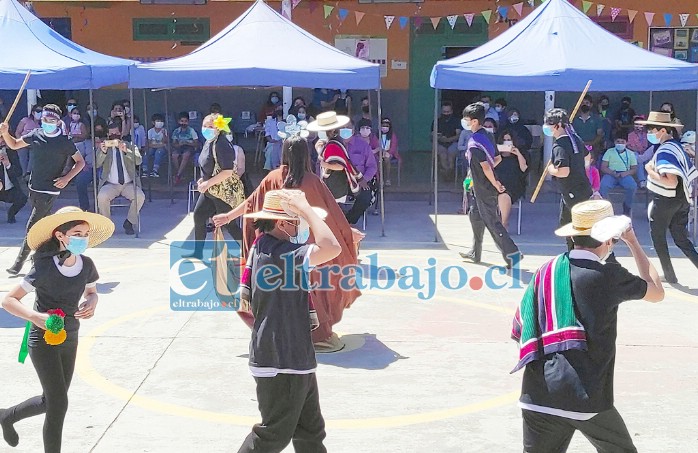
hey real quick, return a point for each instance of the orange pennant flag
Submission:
(631, 15)
(435, 22)
(359, 15)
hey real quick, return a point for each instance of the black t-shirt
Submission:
(281, 333)
(576, 187)
(481, 185)
(509, 173)
(582, 381)
(55, 290)
(224, 152)
(448, 126)
(49, 156)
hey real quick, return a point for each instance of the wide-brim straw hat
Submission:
(328, 121)
(273, 209)
(661, 119)
(584, 216)
(101, 228)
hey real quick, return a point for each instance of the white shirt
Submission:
(114, 172)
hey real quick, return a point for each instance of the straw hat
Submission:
(584, 216)
(273, 208)
(661, 119)
(101, 228)
(328, 121)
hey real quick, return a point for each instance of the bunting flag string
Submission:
(586, 6)
(518, 7)
(389, 21)
(435, 22)
(667, 18)
(452, 21)
(343, 13)
(503, 11)
(684, 19)
(614, 13)
(418, 22)
(328, 10)
(403, 22)
(469, 18)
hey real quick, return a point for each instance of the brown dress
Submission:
(329, 304)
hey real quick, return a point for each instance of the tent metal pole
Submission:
(695, 198)
(169, 152)
(135, 170)
(434, 163)
(651, 96)
(94, 150)
(144, 153)
(380, 166)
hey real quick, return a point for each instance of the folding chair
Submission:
(193, 191)
(398, 164)
(123, 202)
(346, 207)
(518, 215)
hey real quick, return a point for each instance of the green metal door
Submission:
(427, 46)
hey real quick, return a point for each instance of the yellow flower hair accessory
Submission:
(222, 124)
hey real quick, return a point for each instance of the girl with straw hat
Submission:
(60, 276)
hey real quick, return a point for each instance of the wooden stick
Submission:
(545, 170)
(17, 98)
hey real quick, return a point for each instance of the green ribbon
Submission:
(24, 348)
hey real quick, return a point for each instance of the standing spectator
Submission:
(298, 102)
(271, 107)
(69, 106)
(594, 177)
(490, 112)
(26, 125)
(625, 115)
(668, 107)
(520, 134)
(77, 131)
(390, 149)
(588, 127)
(447, 132)
(483, 158)
(50, 150)
(80, 136)
(10, 183)
(139, 136)
(362, 145)
(118, 172)
(324, 99)
(669, 177)
(118, 115)
(365, 113)
(185, 143)
(157, 146)
(619, 165)
(272, 152)
(512, 171)
(567, 166)
(302, 114)
(100, 123)
(637, 143)
(500, 106)
(605, 117)
(490, 125)
(343, 103)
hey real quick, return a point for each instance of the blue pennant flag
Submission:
(343, 13)
(403, 21)
(503, 11)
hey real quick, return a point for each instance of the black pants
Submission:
(41, 204)
(54, 365)
(290, 408)
(483, 214)
(566, 217)
(206, 207)
(362, 201)
(543, 433)
(16, 197)
(671, 214)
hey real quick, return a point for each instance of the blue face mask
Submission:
(548, 130)
(620, 147)
(303, 233)
(346, 133)
(652, 138)
(77, 245)
(49, 128)
(208, 133)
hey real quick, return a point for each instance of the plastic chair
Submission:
(245, 119)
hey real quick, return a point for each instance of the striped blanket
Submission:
(545, 321)
(672, 159)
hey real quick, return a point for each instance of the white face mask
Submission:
(159, 124)
(514, 119)
(499, 109)
(301, 116)
(322, 135)
(37, 115)
(365, 132)
(127, 110)
(466, 124)
(487, 106)
(490, 130)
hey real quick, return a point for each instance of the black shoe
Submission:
(470, 256)
(8, 429)
(128, 228)
(521, 257)
(16, 268)
(210, 227)
(11, 220)
(670, 279)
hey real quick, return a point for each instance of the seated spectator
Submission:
(688, 141)
(118, 116)
(215, 108)
(362, 158)
(490, 112)
(594, 176)
(185, 143)
(118, 164)
(271, 107)
(490, 125)
(389, 147)
(342, 106)
(298, 102)
(618, 167)
(26, 125)
(302, 114)
(624, 117)
(139, 137)
(605, 117)
(272, 152)
(10, 182)
(500, 106)
(512, 172)
(589, 127)
(637, 143)
(157, 147)
(448, 132)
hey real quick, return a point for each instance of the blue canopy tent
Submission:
(558, 48)
(246, 54)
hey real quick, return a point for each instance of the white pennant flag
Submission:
(684, 19)
(599, 9)
(389, 21)
(452, 21)
(531, 2)
(469, 18)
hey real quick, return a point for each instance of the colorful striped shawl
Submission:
(545, 321)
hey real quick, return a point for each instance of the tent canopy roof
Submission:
(55, 62)
(559, 48)
(260, 48)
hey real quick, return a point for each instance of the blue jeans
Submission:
(628, 184)
(82, 183)
(156, 154)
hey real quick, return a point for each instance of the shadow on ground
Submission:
(362, 351)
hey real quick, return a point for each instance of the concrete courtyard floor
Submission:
(416, 376)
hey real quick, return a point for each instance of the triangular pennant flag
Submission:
(328, 10)
(684, 19)
(343, 13)
(599, 9)
(487, 15)
(435, 22)
(295, 3)
(667, 18)
(614, 13)
(649, 17)
(469, 18)
(531, 2)
(388, 21)
(503, 11)
(585, 6)
(631, 15)
(452, 21)
(404, 21)
(518, 7)
(359, 15)
(418, 21)
(313, 6)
